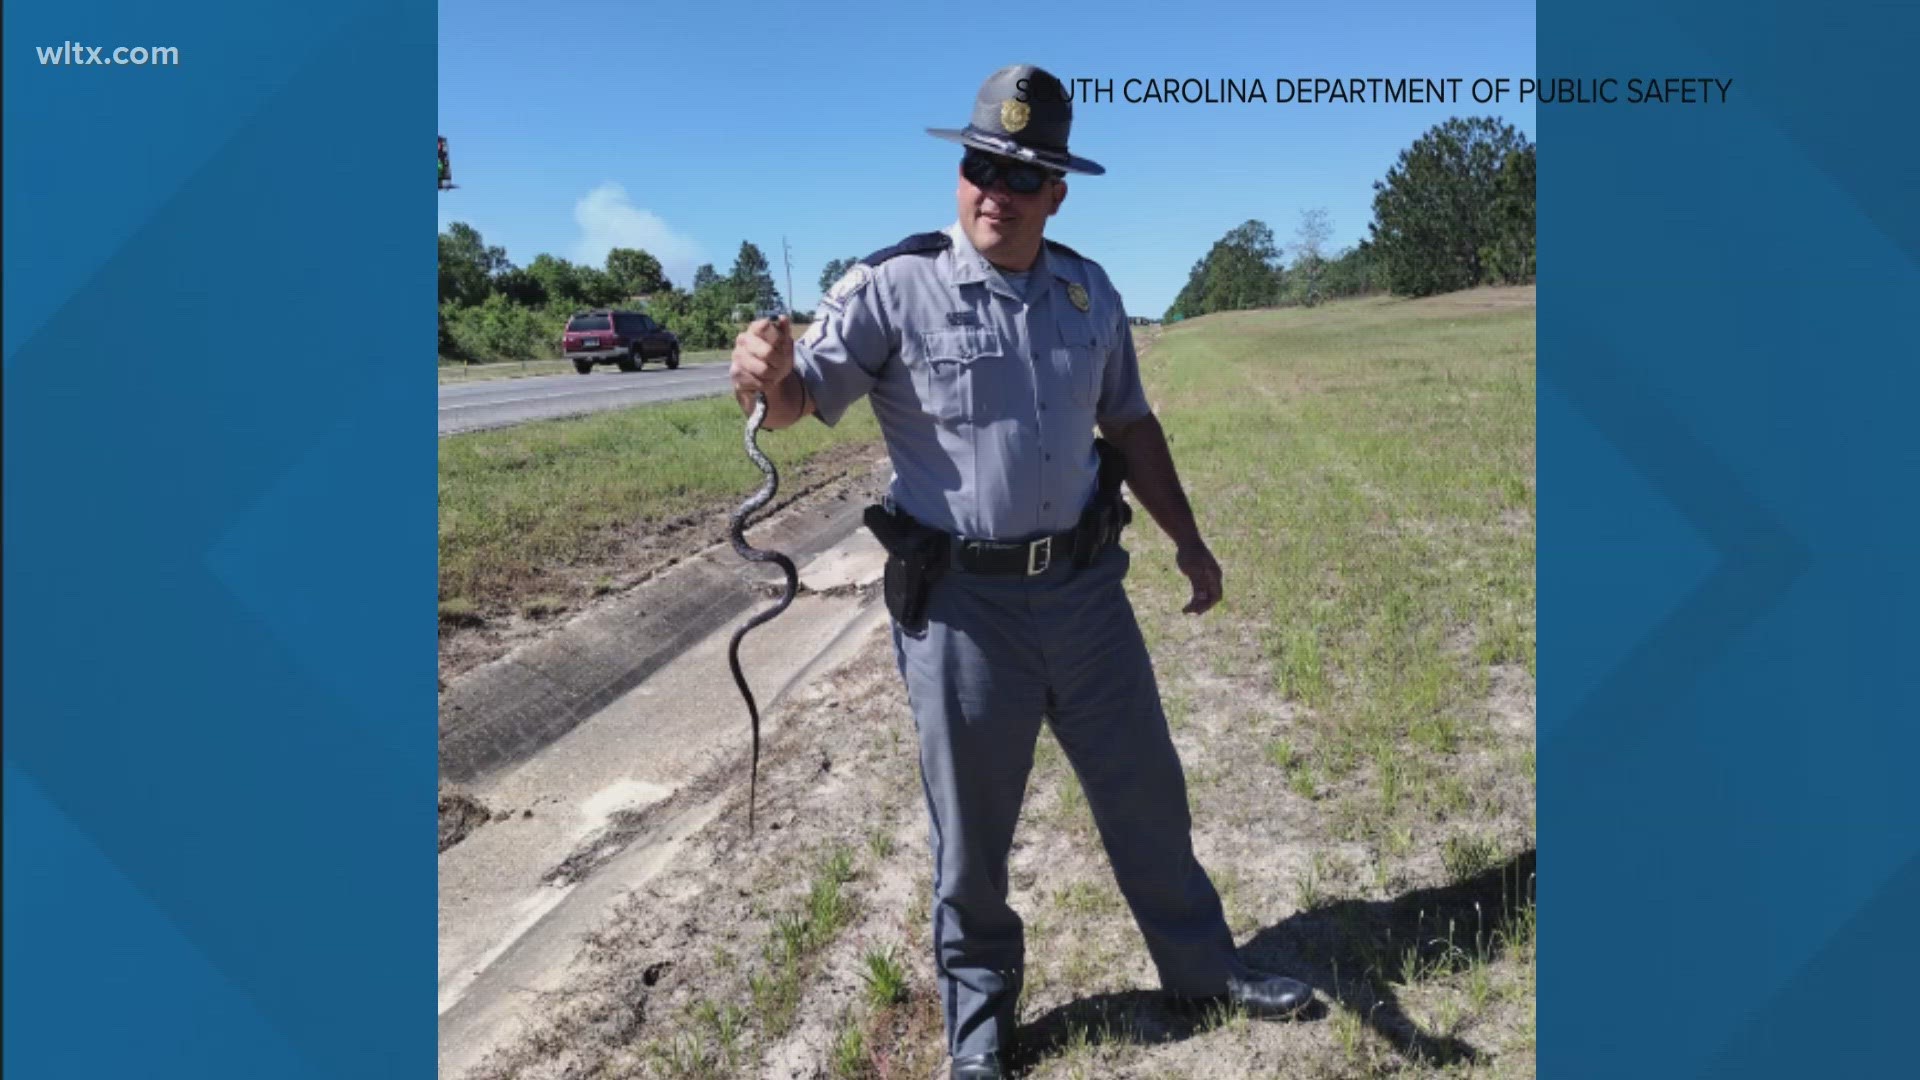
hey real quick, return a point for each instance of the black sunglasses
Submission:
(1022, 178)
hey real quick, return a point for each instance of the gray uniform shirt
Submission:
(987, 396)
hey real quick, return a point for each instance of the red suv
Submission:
(627, 338)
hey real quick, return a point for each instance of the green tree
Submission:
(558, 278)
(564, 282)
(1254, 238)
(467, 264)
(1507, 256)
(636, 272)
(1310, 255)
(834, 271)
(669, 307)
(701, 319)
(1187, 303)
(1434, 211)
(521, 287)
(1240, 271)
(1349, 273)
(752, 279)
(496, 329)
(597, 287)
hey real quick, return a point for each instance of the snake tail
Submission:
(736, 532)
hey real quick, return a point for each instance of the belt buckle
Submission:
(1040, 550)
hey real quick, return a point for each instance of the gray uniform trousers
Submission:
(997, 655)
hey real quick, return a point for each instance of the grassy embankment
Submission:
(536, 518)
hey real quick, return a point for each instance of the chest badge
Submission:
(1077, 293)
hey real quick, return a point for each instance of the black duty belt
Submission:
(1025, 557)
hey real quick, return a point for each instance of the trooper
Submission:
(990, 354)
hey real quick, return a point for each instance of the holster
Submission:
(916, 559)
(1108, 513)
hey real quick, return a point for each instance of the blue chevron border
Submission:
(219, 541)
(1727, 359)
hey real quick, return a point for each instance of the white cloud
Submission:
(608, 219)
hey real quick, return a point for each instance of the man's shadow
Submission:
(1351, 951)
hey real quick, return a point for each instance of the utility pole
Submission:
(786, 256)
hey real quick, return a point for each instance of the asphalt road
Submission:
(500, 402)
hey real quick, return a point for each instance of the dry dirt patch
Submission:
(460, 814)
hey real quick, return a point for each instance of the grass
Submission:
(849, 1054)
(460, 611)
(725, 1025)
(1088, 898)
(714, 1040)
(885, 977)
(1283, 755)
(1070, 802)
(799, 935)
(682, 1055)
(453, 372)
(1364, 473)
(1309, 886)
(1467, 856)
(537, 514)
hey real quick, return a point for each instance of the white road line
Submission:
(585, 391)
(691, 373)
(575, 385)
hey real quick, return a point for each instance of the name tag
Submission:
(963, 318)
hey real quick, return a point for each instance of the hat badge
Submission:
(1014, 114)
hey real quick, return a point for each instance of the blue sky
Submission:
(578, 125)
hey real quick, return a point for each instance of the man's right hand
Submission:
(762, 356)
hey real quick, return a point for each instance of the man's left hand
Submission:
(1198, 564)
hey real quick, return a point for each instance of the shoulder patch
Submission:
(926, 243)
(851, 282)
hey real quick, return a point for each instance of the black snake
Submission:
(736, 531)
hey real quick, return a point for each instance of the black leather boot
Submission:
(1269, 995)
(978, 1067)
(1260, 996)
